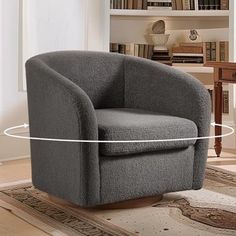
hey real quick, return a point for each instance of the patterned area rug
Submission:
(210, 211)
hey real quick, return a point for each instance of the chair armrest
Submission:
(157, 87)
(58, 108)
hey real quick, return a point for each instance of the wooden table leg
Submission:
(218, 116)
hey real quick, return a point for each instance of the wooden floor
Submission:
(19, 171)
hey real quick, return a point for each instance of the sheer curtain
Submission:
(52, 25)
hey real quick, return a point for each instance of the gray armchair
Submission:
(104, 96)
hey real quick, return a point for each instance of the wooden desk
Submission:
(224, 72)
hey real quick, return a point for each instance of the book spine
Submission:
(206, 4)
(114, 47)
(225, 102)
(111, 4)
(200, 4)
(212, 5)
(217, 4)
(226, 51)
(222, 51)
(192, 5)
(179, 5)
(224, 4)
(145, 4)
(208, 51)
(140, 5)
(186, 4)
(150, 51)
(213, 51)
(136, 50)
(130, 4)
(135, 4)
(141, 50)
(122, 48)
(187, 50)
(173, 3)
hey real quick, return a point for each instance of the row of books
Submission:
(133, 49)
(170, 4)
(187, 54)
(183, 4)
(225, 100)
(213, 4)
(129, 4)
(216, 51)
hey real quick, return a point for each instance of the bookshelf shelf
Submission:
(195, 69)
(170, 13)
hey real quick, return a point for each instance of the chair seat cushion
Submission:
(134, 124)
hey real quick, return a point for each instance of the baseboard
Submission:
(13, 148)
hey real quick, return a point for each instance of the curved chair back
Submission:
(100, 75)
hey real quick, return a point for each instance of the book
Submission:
(191, 44)
(213, 51)
(187, 49)
(150, 51)
(186, 4)
(225, 102)
(179, 5)
(200, 4)
(212, 5)
(159, 8)
(224, 4)
(139, 4)
(136, 50)
(188, 64)
(208, 51)
(173, 3)
(114, 47)
(188, 54)
(130, 4)
(206, 5)
(141, 50)
(129, 49)
(192, 5)
(145, 52)
(135, 4)
(145, 4)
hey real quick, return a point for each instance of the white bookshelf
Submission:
(126, 26)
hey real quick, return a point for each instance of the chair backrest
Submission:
(100, 75)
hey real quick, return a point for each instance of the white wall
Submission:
(12, 102)
(51, 25)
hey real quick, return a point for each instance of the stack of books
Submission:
(216, 51)
(133, 49)
(188, 54)
(213, 4)
(162, 56)
(159, 5)
(129, 4)
(183, 4)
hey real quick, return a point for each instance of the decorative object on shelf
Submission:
(158, 36)
(193, 35)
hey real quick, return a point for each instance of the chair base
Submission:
(134, 203)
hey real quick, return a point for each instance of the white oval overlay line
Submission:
(6, 132)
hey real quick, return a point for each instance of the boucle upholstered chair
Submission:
(95, 95)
